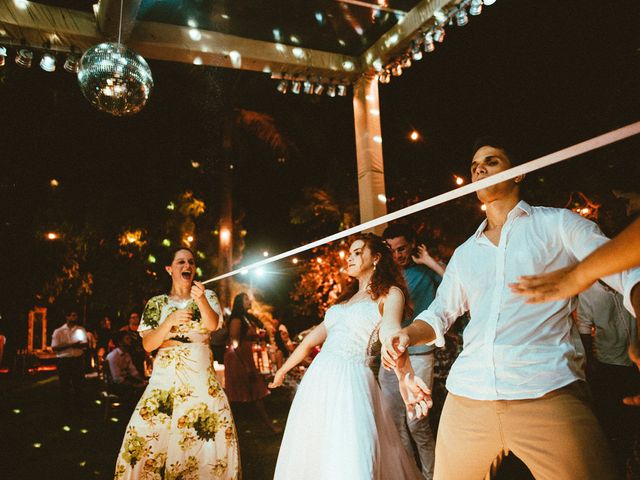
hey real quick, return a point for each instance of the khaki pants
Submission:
(556, 436)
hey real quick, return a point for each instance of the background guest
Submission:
(69, 342)
(243, 382)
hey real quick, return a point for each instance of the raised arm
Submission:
(316, 337)
(615, 256)
(210, 318)
(423, 258)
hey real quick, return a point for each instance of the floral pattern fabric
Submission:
(182, 427)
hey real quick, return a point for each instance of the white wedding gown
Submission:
(337, 427)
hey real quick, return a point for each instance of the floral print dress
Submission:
(182, 427)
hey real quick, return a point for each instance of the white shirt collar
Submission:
(521, 208)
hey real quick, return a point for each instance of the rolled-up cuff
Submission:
(438, 328)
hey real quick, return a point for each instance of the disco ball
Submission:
(115, 79)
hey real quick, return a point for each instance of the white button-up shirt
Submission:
(65, 336)
(121, 366)
(514, 350)
(601, 307)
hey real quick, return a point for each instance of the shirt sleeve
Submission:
(581, 237)
(584, 313)
(449, 304)
(116, 373)
(55, 338)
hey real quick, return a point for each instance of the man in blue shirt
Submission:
(423, 275)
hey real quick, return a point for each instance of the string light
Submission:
(310, 86)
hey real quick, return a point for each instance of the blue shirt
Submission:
(422, 283)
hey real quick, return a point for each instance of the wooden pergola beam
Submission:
(398, 38)
(63, 28)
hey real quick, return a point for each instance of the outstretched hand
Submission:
(416, 396)
(547, 287)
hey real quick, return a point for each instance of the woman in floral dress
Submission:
(182, 428)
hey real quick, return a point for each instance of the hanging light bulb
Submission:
(489, 2)
(429, 46)
(384, 77)
(296, 87)
(439, 34)
(3, 55)
(319, 89)
(283, 86)
(406, 62)
(461, 17)
(342, 90)
(48, 62)
(72, 63)
(416, 52)
(24, 58)
(331, 90)
(476, 7)
(307, 87)
(396, 70)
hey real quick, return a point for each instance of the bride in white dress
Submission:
(338, 428)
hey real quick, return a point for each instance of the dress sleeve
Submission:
(212, 298)
(152, 313)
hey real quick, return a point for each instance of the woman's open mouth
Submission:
(186, 274)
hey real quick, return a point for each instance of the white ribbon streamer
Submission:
(556, 157)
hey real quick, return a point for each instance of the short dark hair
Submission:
(498, 142)
(120, 336)
(66, 311)
(399, 230)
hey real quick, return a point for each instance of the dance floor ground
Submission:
(41, 439)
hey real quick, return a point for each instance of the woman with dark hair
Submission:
(182, 426)
(242, 380)
(337, 408)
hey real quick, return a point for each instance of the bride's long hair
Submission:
(386, 274)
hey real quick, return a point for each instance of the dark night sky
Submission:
(545, 73)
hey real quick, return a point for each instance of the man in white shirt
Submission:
(69, 342)
(612, 375)
(518, 384)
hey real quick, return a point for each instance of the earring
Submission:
(374, 266)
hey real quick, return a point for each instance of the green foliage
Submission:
(321, 280)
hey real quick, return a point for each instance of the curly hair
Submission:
(386, 274)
